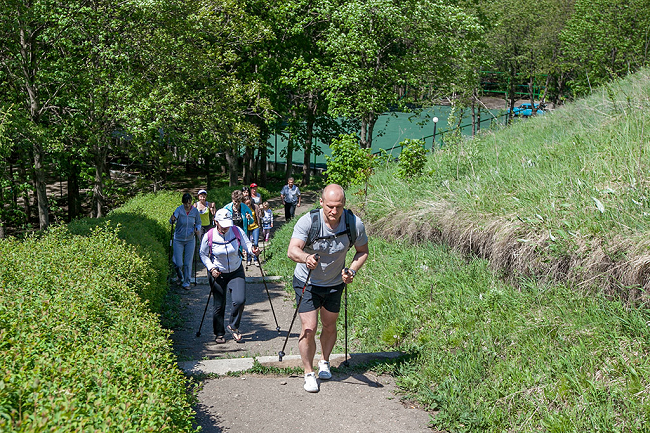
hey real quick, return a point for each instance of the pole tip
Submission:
(280, 355)
(198, 334)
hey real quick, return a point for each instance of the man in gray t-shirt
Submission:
(327, 280)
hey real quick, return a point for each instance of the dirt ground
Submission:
(355, 400)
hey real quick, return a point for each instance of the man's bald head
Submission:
(332, 200)
(334, 192)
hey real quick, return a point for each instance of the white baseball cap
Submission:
(202, 191)
(223, 217)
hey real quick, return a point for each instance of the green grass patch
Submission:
(547, 170)
(485, 356)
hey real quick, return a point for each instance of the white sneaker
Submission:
(310, 382)
(324, 370)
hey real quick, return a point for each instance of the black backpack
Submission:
(314, 230)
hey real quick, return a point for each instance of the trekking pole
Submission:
(277, 327)
(198, 333)
(346, 325)
(346, 321)
(281, 353)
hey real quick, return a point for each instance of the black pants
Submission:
(236, 283)
(289, 210)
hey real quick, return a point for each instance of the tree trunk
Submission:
(74, 203)
(263, 162)
(473, 117)
(263, 151)
(531, 94)
(22, 173)
(99, 201)
(208, 177)
(40, 186)
(231, 159)
(367, 127)
(512, 94)
(307, 148)
(309, 138)
(478, 113)
(247, 165)
(288, 172)
(14, 189)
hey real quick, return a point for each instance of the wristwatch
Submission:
(352, 271)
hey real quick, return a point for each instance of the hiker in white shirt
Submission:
(221, 254)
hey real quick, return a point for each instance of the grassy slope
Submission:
(564, 196)
(543, 354)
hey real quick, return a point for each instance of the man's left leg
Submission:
(327, 342)
(307, 347)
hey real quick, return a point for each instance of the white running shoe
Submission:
(324, 372)
(310, 382)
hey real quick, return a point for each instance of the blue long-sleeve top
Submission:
(186, 223)
(246, 214)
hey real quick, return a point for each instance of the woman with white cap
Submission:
(220, 253)
(206, 210)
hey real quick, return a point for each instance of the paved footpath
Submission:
(354, 400)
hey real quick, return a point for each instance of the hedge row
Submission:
(142, 222)
(81, 347)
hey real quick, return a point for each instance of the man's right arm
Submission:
(298, 255)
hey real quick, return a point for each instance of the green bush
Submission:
(411, 159)
(144, 223)
(80, 350)
(349, 164)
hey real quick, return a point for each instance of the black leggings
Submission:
(236, 283)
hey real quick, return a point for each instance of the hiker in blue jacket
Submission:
(220, 253)
(242, 215)
(188, 225)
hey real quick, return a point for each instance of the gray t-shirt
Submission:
(332, 251)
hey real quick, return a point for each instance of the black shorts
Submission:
(316, 297)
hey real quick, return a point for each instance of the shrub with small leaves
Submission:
(349, 163)
(81, 351)
(412, 159)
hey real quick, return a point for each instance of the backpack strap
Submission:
(237, 236)
(314, 229)
(209, 235)
(351, 226)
